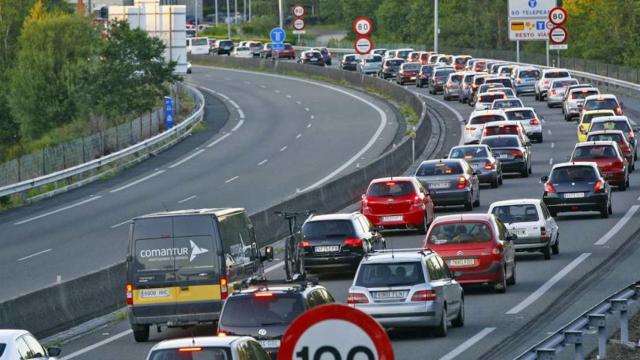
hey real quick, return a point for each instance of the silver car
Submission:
(574, 100)
(450, 182)
(408, 288)
(370, 64)
(487, 167)
(555, 94)
(453, 86)
(548, 75)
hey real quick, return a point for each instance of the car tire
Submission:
(556, 247)
(441, 329)
(495, 183)
(459, 320)
(540, 139)
(422, 229)
(501, 285)
(610, 208)
(553, 213)
(477, 202)
(468, 205)
(604, 212)
(140, 332)
(500, 179)
(524, 172)
(549, 105)
(512, 279)
(547, 251)
(623, 185)
(537, 97)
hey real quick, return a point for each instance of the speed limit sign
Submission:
(336, 332)
(362, 26)
(298, 10)
(557, 16)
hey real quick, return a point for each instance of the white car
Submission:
(20, 344)
(371, 64)
(508, 92)
(530, 121)
(484, 100)
(506, 103)
(556, 91)
(473, 129)
(574, 100)
(243, 52)
(209, 347)
(548, 75)
(531, 222)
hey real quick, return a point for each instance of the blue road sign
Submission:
(277, 35)
(540, 25)
(168, 112)
(278, 46)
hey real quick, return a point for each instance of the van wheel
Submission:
(441, 329)
(140, 332)
(459, 320)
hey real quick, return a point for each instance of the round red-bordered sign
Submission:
(362, 26)
(363, 45)
(298, 24)
(298, 10)
(335, 317)
(558, 35)
(557, 16)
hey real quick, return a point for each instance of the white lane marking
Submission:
(274, 267)
(553, 145)
(241, 113)
(467, 344)
(186, 159)
(549, 131)
(240, 123)
(58, 210)
(298, 136)
(235, 104)
(218, 140)
(312, 117)
(551, 161)
(120, 224)
(33, 255)
(277, 91)
(606, 237)
(308, 126)
(97, 345)
(547, 285)
(307, 109)
(288, 96)
(187, 199)
(298, 102)
(262, 162)
(283, 148)
(230, 180)
(137, 181)
(263, 86)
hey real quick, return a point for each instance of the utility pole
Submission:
(436, 30)
(216, 2)
(244, 11)
(196, 10)
(228, 20)
(281, 13)
(249, 10)
(235, 14)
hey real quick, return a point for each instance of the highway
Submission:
(281, 137)
(586, 241)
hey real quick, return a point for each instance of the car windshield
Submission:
(490, 97)
(444, 72)
(581, 94)
(483, 119)
(573, 174)
(394, 62)
(349, 58)
(391, 188)
(502, 141)
(257, 311)
(226, 43)
(605, 137)
(192, 353)
(520, 115)
(507, 103)
(529, 74)
(327, 228)
(587, 118)
(469, 152)
(456, 78)
(460, 233)
(510, 214)
(563, 83)
(199, 42)
(594, 152)
(556, 74)
(390, 274)
(411, 67)
(374, 59)
(610, 125)
(439, 168)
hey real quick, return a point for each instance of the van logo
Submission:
(196, 250)
(262, 332)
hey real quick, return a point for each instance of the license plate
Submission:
(312, 60)
(333, 248)
(503, 156)
(270, 343)
(384, 295)
(476, 166)
(413, 78)
(154, 293)
(573, 195)
(392, 218)
(439, 185)
(519, 232)
(461, 262)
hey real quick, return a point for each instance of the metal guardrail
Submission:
(595, 318)
(179, 130)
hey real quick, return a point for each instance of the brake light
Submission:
(488, 165)
(386, 68)
(329, 54)
(470, 128)
(190, 349)
(497, 250)
(516, 153)
(424, 295)
(263, 294)
(617, 165)
(553, 92)
(417, 201)
(549, 188)
(357, 298)
(546, 82)
(129, 294)
(222, 334)
(534, 122)
(618, 110)
(543, 233)
(352, 242)
(462, 182)
(599, 186)
(304, 244)
(224, 290)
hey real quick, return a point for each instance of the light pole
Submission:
(435, 26)
(249, 10)
(216, 2)
(228, 20)
(196, 6)
(281, 13)
(235, 14)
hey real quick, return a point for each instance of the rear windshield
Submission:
(556, 74)
(196, 353)
(2, 347)
(563, 83)
(256, 311)
(439, 168)
(587, 118)
(386, 275)
(505, 82)
(529, 74)
(427, 70)
(469, 152)
(491, 97)
(350, 58)
(394, 62)
(594, 152)
(226, 43)
(520, 115)
(605, 137)
(461, 233)
(411, 67)
(468, 78)
(456, 78)
(507, 103)
(479, 80)
(391, 188)
(200, 42)
(404, 53)
(444, 72)
(327, 228)
(572, 174)
(510, 214)
(610, 125)
(483, 119)
(503, 141)
(374, 59)
(581, 94)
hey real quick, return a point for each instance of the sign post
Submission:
(528, 21)
(168, 112)
(335, 331)
(298, 24)
(277, 36)
(362, 27)
(558, 34)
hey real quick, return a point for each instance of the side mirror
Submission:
(268, 254)
(54, 351)
(544, 178)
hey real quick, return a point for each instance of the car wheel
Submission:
(537, 97)
(610, 208)
(495, 183)
(549, 105)
(567, 118)
(556, 247)
(468, 205)
(530, 170)
(501, 285)
(547, 251)
(500, 179)
(512, 279)
(477, 202)
(441, 329)
(540, 139)
(553, 213)
(459, 320)
(422, 229)
(604, 212)
(140, 332)
(524, 172)
(446, 98)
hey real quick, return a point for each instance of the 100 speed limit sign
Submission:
(335, 332)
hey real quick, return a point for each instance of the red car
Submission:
(398, 202)
(477, 248)
(408, 73)
(617, 136)
(287, 53)
(608, 155)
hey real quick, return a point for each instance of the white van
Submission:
(198, 46)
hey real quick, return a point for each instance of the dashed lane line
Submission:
(93, 198)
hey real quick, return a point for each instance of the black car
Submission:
(224, 47)
(349, 62)
(265, 312)
(439, 78)
(424, 74)
(481, 158)
(338, 241)
(390, 68)
(326, 55)
(514, 156)
(577, 187)
(311, 58)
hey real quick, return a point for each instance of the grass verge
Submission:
(618, 351)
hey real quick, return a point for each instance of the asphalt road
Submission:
(540, 283)
(283, 135)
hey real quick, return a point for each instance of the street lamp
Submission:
(435, 26)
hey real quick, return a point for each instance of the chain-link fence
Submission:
(76, 152)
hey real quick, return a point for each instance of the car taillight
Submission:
(617, 165)
(534, 122)
(304, 244)
(129, 294)
(263, 294)
(462, 182)
(224, 290)
(222, 334)
(497, 250)
(417, 201)
(516, 153)
(618, 110)
(386, 68)
(546, 82)
(329, 54)
(470, 128)
(553, 92)
(190, 349)
(357, 298)
(598, 186)
(352, 242)
(543, 233)
(424, 295)
(549, 188)
(488, 165)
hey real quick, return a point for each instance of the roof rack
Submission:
(406, 250)
(301, 282)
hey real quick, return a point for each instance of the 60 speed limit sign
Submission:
(335, 332)
(362, 26)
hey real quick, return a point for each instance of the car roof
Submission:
(433, 161)
(463, 217)
(608, 111)
(597, 142)
(515, 202)
(336, 216)
(488, 93)
(292, 288)
(507, 99)
(502, 123)
(575, 163)
(211, 211)
(469, 146)
(600, 96)
(610, 118)
(487, 112)
(563, 79)
(394, 257)
(602, 132)
(545, 71)
(519, 109)
(393, 178)
(206, 341)
(11, 333)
